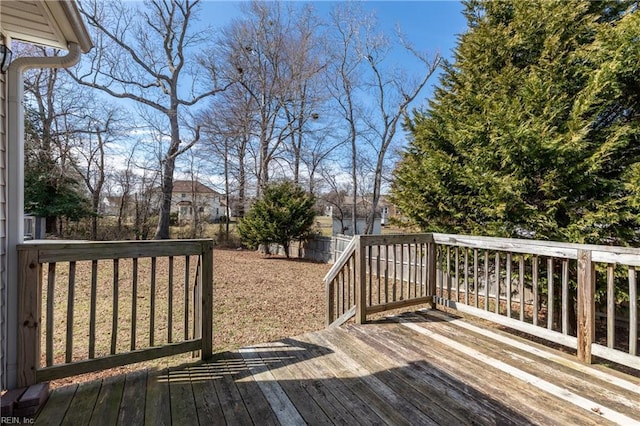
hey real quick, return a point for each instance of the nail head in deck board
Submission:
(108, 402)
(83, 403)
(157, 402)
(132, 407)
(56, 407)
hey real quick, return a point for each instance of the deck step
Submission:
(25, 402)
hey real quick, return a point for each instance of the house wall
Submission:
(3, 225)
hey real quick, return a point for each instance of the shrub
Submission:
(283, 214)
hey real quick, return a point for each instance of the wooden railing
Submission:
(582, 296)
(108, 304)
(377, 273)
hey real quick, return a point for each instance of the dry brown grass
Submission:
(256, 299)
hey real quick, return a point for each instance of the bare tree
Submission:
(101, 128)
(142, 54)
(363, 63)
(345, 67)
(394, 91)
(55, 113)
(271, 57)
(227, 128)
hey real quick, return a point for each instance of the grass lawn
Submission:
(256, 299)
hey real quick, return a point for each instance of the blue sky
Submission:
(431, 26)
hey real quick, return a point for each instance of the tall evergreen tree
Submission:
(533, 130)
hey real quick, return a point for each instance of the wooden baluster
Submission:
(633, 311)
(521, 286)
(187, 260)
(70, 304)
(114, 318)
(170, 302)
(152, 302)
(508, 285)
(486, 280)
(550, 292)
(401, 272)
(448, 274)
(134, 303)
(92, 309)
(395, 271)
(51, 285)
(378, 274)
(370, 270)
(534, 284)
(497, 306)
(611, 306)
(386, 273)
(565, 296)
(466, 276)
(457, 277)
(475, 277)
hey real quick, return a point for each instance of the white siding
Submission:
(3, 227)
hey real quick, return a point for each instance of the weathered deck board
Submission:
(415, 369)
(107, 407)
(56, 407)
(157, 403)
(82, 403)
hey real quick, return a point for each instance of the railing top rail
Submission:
(390, 239)
(340, 261)
(66, 251)
(600, 253)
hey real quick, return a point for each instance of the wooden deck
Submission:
(411, 370)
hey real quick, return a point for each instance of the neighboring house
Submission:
(388, 210)
(194, 200)
(56, 24)
(340, 210)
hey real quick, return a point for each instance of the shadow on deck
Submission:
(420, 368)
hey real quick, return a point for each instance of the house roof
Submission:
(44, 22)
(188, 186)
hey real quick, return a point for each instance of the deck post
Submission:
(431, 274)
(586, 305)
(29, 315)
(361, 281)
(207, 300)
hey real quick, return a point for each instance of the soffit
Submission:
(47, 23)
